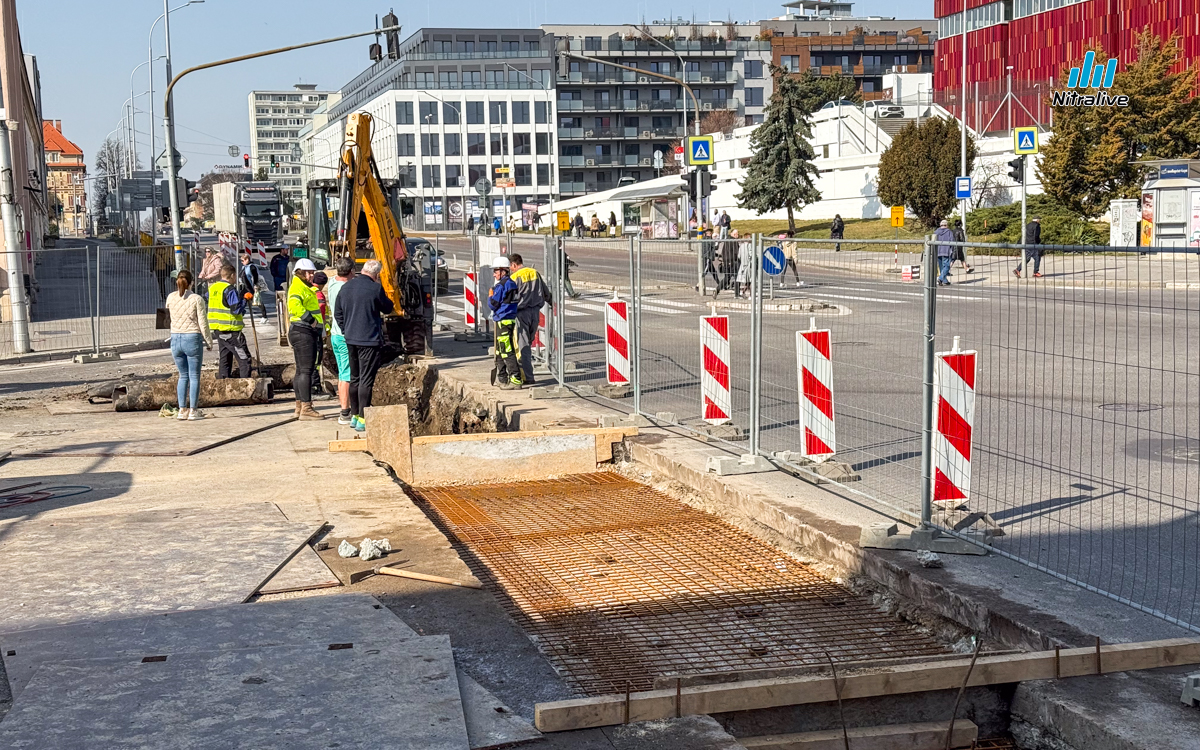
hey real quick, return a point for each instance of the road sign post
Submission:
(897, 222)
(699, 151)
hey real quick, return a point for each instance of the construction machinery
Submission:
(355, 215)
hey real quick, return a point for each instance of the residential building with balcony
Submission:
(276, 120)
(65, 173)
(611, 121)
(450, 107)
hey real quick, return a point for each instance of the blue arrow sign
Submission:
(774, 261)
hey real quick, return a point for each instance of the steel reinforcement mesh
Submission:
(620, 584)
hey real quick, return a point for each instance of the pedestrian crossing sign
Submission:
(1025, 141)
(699, 150)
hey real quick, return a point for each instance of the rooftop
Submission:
(56, 141)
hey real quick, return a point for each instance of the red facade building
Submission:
(1036, 41)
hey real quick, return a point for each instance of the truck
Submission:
(251, 210)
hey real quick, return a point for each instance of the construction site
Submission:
(493, 569)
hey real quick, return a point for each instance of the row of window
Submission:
(453, 79)
(471, 45)
(477, 144)
(791, 63)
(274, 146)
(606, 149)
(1022, 8)
(628, 121)
(604, 96)
(991, 14)
(431, 175)
(451, 112)
(283, 110)
(277, 134)
(290, 97)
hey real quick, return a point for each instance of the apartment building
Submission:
(612, 120)
(450, 107)
(65, 173)
(276, 119)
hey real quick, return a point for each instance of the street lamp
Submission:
(682, 75)
(167, 57)
(545, 85)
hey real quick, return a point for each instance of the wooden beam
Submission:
(357, 445)
(609, 710)
(401, 573)
(929, 735)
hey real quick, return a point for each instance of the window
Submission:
(431, 176)
(720, 68)
(475, 144)
(524, 175)
(872, 61)
(475, 172)
(601, 98)
(661, 67)
(541, 112)
(602, 177)
(543, 174)
(474, 113)
(591, 42)
(868, 85)
(570, 95)
(472, 79)
(790, 63)
(453, 175)
(426, 80)
(570, 149)
(753, 68)
(495, 79)
(499, 144)
(633, 149)
(692, 67)
(406, 145)
(543, 144)
(631, 95)
(520, 113)
(498, 113)
(662, 123)
(522, 145)
(429, 144)
(661, 95)
(448, 79)
(429, 113)
(754, 97)
(404, 113)
(450, 113)
(512, 46)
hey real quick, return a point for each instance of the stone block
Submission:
(501, 456)
(724, 466)
(389, 439)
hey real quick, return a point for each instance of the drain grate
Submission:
(620, 584)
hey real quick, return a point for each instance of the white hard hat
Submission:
(304, 264)
(501, 261)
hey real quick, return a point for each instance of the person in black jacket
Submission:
(359, 309)
(836, 229)
(960, 251)
(1033, 250)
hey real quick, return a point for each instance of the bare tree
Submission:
(716, 121)
(990, 189)
(110, 167)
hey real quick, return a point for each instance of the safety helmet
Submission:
(501, 261)
(304, 264)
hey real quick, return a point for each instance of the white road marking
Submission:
(862, 299)
(941, 295)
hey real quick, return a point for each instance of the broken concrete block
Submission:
(724, 466)
(373, 549)
(613, 391)
(723, 432)
(633, 420)
(928, 559)
(346, 549)
(876, 534)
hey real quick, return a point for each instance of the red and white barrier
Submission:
(814, 372)
(469, 299)
(954, 391)
(260, 253)
(616, 338)
(715, 400)
(540, 337)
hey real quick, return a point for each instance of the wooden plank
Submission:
(348, 446)
(609, 710)
(929, 735)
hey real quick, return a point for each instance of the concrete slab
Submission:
(441, 459)
(490, 723)
(63, 568)
(304, 572)
(395, 694)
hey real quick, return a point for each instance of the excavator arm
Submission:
(361, 195)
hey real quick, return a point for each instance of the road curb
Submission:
(24, 359)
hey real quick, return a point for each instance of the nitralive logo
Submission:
(1090, 76)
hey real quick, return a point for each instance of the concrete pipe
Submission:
(150, 395)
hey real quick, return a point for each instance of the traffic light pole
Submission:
(169, 128)
(1024, 250)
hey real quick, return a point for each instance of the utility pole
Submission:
(8, 214)
(962, 109)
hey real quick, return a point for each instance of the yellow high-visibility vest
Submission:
(220, 317)
(303, 298)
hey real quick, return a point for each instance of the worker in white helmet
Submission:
(502, 299)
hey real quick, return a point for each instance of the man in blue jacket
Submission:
(945, 253)
(503, 302)
(359, 310)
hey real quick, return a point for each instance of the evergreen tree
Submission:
(781, 172)
(1090, 158)
(919, 168)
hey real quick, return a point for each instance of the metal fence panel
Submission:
(596, 269)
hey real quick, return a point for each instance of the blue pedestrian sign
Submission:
(699, 150)
(1025, 141)
(962, 187)
(774, 261)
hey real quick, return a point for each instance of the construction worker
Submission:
(225, 310)
(502, 299)
(532, 294)
(304, 315)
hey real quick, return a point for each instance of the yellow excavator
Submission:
(355, 215)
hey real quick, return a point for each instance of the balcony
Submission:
(497, 55)
(683, 46)
(701, 77)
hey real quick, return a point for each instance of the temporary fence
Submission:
(1065, 407)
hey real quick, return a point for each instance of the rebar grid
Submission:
(620, 584)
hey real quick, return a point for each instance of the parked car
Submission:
(882, 109)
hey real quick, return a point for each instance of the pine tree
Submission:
(781, 172)
(1091, 157)
(919, 168)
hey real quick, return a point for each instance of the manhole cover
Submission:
(1179, 450)
(1130, 407)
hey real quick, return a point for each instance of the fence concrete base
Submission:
(887, 536)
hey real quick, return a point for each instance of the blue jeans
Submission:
(943, 264)
(188, 351)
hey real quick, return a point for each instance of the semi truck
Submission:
(251, 210)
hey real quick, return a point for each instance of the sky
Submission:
(88, 49)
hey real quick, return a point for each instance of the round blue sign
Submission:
(774, 261)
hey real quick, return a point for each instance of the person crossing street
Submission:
(226, 306)
(1033, 250)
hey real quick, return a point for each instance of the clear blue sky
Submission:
(86, 50)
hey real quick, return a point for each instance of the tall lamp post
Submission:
(545, 85)
(167, 57)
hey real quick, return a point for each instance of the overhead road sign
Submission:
(699, 151)
(1025, 141)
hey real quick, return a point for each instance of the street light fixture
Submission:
(545, 85)
(167, 56)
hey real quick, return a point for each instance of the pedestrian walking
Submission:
(470, 223)
(532, 295)
(791, 251)
(361, 305)
(496, 225)
(745, 265)
(252, 281)
(708, 262)
(344, 268)
(304, 316)
(724, 223)
(577, 224)
(210, 269)
(729, 259)
(568, 287)
(1033, 249)
(189, 338)
(502, 300)
(279, 269)
(836, 230)
(226, 307)
(163, 263)
(612, 223)
(960, 252)
(945, 253)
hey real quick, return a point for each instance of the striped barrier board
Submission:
(954, 399)
(616, 337)
(469, 299)
(814, 373)
(715, 402)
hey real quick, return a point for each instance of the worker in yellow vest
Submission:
(304, 334)
(225, 310)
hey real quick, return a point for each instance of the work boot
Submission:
(297, 408)
(308, 413)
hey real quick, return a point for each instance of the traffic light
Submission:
(191, 190)
(703, 183)
(274, 161)
(1016, 170)
(689, 182)
(246, 160)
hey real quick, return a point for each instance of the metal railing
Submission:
(1085, 448)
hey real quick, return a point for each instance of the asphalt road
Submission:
(1087, 430)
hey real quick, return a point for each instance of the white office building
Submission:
(276, 121)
